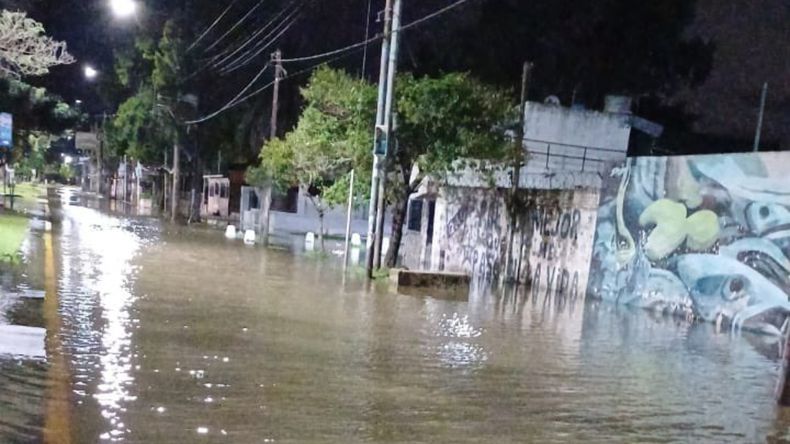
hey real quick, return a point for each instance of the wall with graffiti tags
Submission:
(552, 244)
(700, 236)
(470, 231)
(553, 241)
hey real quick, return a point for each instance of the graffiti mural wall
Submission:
(552, 243)
(702, 236)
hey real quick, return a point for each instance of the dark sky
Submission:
(751, 37)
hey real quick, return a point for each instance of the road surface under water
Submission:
(159, 334)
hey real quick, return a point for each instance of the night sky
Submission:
(751, 40)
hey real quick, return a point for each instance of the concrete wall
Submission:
(553, 240)
(702, 236)
(306, 220)
(566, 148)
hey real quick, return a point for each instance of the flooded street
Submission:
(161, 334)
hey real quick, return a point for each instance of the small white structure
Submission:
(309, 241)
(356, 240)
(216, 196)
(249, 237)
(230, 232)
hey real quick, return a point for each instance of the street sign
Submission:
(381, 143)
(6, 131)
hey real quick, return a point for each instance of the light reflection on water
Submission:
(181, 336)
(96, 251)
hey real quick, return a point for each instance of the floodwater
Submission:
(160, 334)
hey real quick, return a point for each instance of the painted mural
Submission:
(706, 237)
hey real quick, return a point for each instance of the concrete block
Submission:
(431, 283)
(17, 340)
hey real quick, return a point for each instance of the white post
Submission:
(348, 218)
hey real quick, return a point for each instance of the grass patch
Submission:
(13, 228)
(29, 191)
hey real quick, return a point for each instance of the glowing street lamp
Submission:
(90, 72)
(123, 8)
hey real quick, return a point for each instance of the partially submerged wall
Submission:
(552, 244)
(707, 236)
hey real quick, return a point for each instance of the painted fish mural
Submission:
(700, 236)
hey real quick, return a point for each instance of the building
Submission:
(461, 223)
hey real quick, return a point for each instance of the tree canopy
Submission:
(25, 50)
(439, 121)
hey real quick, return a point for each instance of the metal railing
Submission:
(586, 157)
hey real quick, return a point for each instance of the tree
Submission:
(36, 112)
(138, 130)
(331, 139)
(440, 121)
(24, 48)
(444, 123)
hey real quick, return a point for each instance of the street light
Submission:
(90, 72)
(123, 8)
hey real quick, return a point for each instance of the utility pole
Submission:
(759, 130)
(379, 142)
(277, 57)
(266, 204)
(176, 189)
(518, 163)
(390, 131)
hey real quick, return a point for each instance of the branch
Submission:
(24, 48)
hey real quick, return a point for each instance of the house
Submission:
(461, 224)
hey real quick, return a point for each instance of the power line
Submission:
(237, 63)
(231, 103)
(236, 25)
(367, 36)
(225, 55)
(379, 37)
(290, 76)
(340, 53)
(238, 101)
(215, 23)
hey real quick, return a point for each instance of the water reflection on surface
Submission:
(181, 336)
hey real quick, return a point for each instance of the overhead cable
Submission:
(215, 23)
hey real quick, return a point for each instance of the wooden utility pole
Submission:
(176, 188)
(277, 57)
(518, 163)
(266, 201)
(378, 142)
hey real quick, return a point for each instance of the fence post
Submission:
(548, 154)
(584, 158)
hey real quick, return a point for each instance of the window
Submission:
(224, 191)
(255, 201)
(415, 215)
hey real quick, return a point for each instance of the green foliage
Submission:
(168, 61)
(140, 130)
(66, 172)
(446, 119)
(145, 125)
(38, 143)
(35, 109)
(331, 139)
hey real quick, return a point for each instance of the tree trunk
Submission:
(398, 219)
